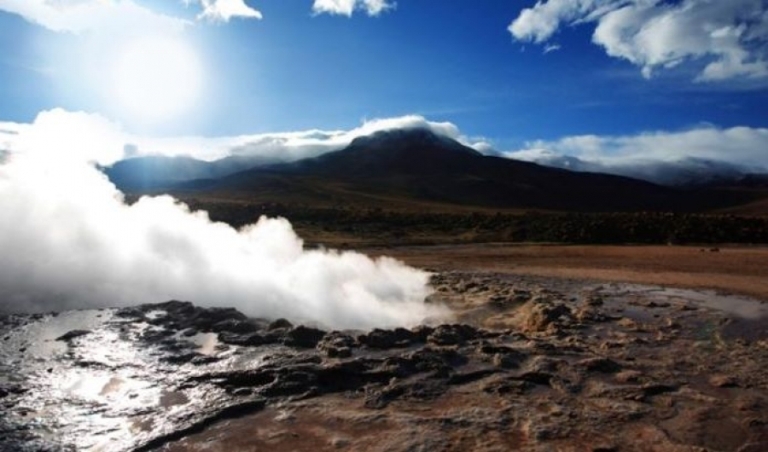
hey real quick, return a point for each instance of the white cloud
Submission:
(727, 37)
(100, 140)
(290, 146)
(118, 16)
(79, 16)
(643, 155)
(224, 10)
(347, 7)
(69, 241)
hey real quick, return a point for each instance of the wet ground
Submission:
(527, 363)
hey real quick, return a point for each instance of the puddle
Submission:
(747, 317)
(172, 398)
(206, 343)
(155, 314)
(746, 308)
(749, 330)
(735, 305)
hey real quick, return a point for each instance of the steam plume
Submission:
(70, 241)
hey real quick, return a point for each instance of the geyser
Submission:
(70, 241)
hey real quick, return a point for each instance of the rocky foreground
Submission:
(527, 364)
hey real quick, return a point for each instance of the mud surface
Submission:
(528, 363)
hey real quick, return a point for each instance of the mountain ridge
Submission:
(417, 166)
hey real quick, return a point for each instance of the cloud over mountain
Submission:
(726, 38)
(657, 156)
(107, 142)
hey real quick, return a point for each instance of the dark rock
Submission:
(181, 359)
(545, 315)
(422, 332)
(241, 392)
(651, 390)
(422, 390)
(590, 314)
(605, 449)
(453, 334)
(243, 340)
(336, 345)
(470, 377)
(538, 378)
(386, 339)
(205, 319)
(201, 360)
(506, 361)
(237, 326)
(72, 335)
(508, 386)
(723, 381)
(303, 337)
(189, 332)
(6, 391)
(338, 352)
(595, 301)
(280, 324)
(295, 382)
(502, 356)
(439, 361)
(601, 365)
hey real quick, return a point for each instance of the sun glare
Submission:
(156, 79)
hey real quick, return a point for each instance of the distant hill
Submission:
(416, 166)
(162, 172)
(686, 172)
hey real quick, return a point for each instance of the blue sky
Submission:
(483, 66)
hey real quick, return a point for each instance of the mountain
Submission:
(161, 172)
(686, 172)
(413, 166)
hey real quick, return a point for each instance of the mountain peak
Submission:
(409, 138)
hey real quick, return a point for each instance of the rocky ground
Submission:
(532, 364)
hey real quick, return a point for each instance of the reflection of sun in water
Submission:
(156, 78)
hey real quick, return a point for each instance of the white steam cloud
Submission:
(70, 241)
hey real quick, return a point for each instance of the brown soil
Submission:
(741, 270)
(608, 361)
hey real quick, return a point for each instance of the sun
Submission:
(156, 79)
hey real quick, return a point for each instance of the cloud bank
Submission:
(658, 156)
(70, 241)
(347, 7)
(278, 147)
(662, 157)
(727, 38)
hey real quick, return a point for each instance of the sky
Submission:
(593, 79)
(600, 84)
